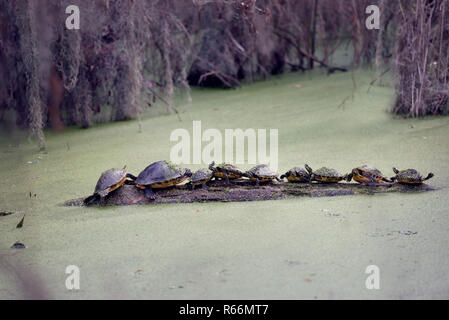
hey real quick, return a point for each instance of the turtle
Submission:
(368, 174)
(410, 176)
(160, 175)
(297, 174)
(201, 177)
(225, 171)
(109, 181)
(261, 173)
(327, 175)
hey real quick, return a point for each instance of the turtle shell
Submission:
(297, 174)
(368, 174)
(110, 179)
(232, 171)
(261, 172)
(161, 174)
(325, 174)
(201, 175)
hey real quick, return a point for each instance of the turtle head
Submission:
(430, 175)
(395, 170)
(211, 166)
(282, 176)
(309, 169)
(188, 173)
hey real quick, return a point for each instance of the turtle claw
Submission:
(149, 193)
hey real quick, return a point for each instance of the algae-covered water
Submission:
(306, 248)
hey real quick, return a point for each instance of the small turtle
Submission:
(409, 176)
(327, 175)
(368, 174)
(261, 173)
(226, 171)
(201, 177)
(160, 175)
(109, 181)
(297, 175)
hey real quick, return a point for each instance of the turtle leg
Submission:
(227, 178)
(149, 193)
(192, 186)
(90, 199)
(204, 185)
(103, 193)
(387, 180)
(257, 182)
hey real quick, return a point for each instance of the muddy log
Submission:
(243, 191)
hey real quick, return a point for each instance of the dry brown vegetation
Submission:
(129, 54)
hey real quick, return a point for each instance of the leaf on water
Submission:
(18, 245)
(20, 224)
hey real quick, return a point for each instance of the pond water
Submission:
(314, 248)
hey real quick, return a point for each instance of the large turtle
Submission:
(226, 171)
(368, 174)
(159, 175)
(201, 177)
(109, 181)
(297, 174)
(410, 176)
(261, 173)
(327, 175)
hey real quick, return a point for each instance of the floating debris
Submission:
(175, 287)
(6, 213)
(20, 224)
(18, 245)
(407, 232)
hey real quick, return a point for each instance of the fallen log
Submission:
(244, 190)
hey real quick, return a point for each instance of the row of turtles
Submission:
(163, 174)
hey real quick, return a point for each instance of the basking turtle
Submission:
(261, 173)
(327, 175)
(109, 181)
(226, 171)
(368, 174)
(160, 175)
(409, 176)
(201, 177)
(297, 175)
